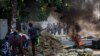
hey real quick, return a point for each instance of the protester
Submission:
(54, 29)
(64, 28)
(49, 28)
(5, 48)
(16, 43)
(24, 27)
(59, 28)
(25, 43)
(33, 33)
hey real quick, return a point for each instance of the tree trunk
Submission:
(14, 13)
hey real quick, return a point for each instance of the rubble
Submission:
(51, 46)
(76, 52)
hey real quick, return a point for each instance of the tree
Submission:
(38, 9)
(5, 11)
(24, 10)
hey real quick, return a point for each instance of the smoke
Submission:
(52, 18)
(86, 15)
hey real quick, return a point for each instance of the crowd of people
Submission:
(53, 28)
(17, 43)
(56, 28)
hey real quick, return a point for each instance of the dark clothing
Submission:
(16, 42)
(24, 27)
(33, 33)
(59, 29)
(4, 50)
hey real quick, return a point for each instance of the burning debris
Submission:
(51, 46)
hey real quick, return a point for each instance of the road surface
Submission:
(96, 52)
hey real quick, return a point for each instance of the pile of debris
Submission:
(51, 46)
(76, 52)
(48, 45)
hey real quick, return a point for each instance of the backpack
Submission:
(15, 38)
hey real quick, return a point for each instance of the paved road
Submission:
(96, 52)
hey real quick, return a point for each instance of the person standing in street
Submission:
(59, 28)
(54, 29)
(49, 28)
(33, 33)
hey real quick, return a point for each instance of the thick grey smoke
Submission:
(84, 17)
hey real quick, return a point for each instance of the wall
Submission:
(3, 28)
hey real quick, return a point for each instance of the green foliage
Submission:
(41, 14)
(5, 9)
